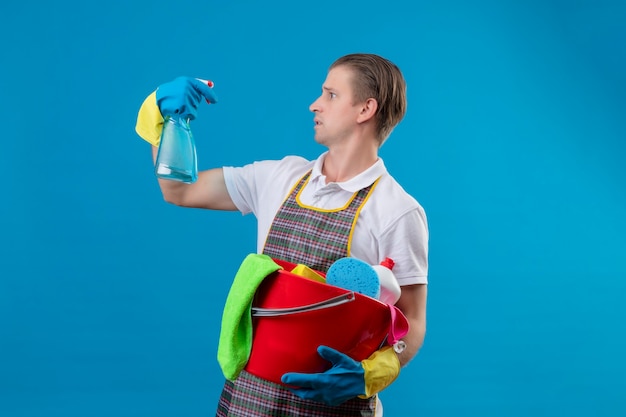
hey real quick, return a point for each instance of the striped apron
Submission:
(316, 238)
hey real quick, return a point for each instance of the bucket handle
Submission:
(331, 302)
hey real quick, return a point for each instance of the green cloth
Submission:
(235, 344)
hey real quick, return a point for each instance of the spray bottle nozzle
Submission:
(209, 83)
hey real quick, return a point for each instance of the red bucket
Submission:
(292, 316)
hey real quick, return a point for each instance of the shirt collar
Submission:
(362, 180)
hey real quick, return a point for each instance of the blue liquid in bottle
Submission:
(177, 159)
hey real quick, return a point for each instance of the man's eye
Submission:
(332, 95)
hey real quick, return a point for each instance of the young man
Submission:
(344, 203)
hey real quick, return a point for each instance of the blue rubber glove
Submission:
(182, 96)
(346, 378)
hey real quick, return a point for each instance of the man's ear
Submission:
(368, 110)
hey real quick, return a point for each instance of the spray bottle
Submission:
(177, 159)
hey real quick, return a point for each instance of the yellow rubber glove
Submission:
(381, 369)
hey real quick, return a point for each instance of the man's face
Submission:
(335, 111)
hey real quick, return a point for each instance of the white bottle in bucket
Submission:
(389, 287)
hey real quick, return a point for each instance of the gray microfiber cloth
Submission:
(235, 342)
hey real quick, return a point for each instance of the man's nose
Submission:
(314, 107)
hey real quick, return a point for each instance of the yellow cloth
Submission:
(150, 121)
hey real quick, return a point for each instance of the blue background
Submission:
(110, 299)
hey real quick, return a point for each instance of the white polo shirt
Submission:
(391, 222)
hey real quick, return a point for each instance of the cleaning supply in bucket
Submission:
(306, 272)
(355, 275)
(389, 287)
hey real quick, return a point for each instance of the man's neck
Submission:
(344, 163)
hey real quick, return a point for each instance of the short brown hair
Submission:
(378, 78)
